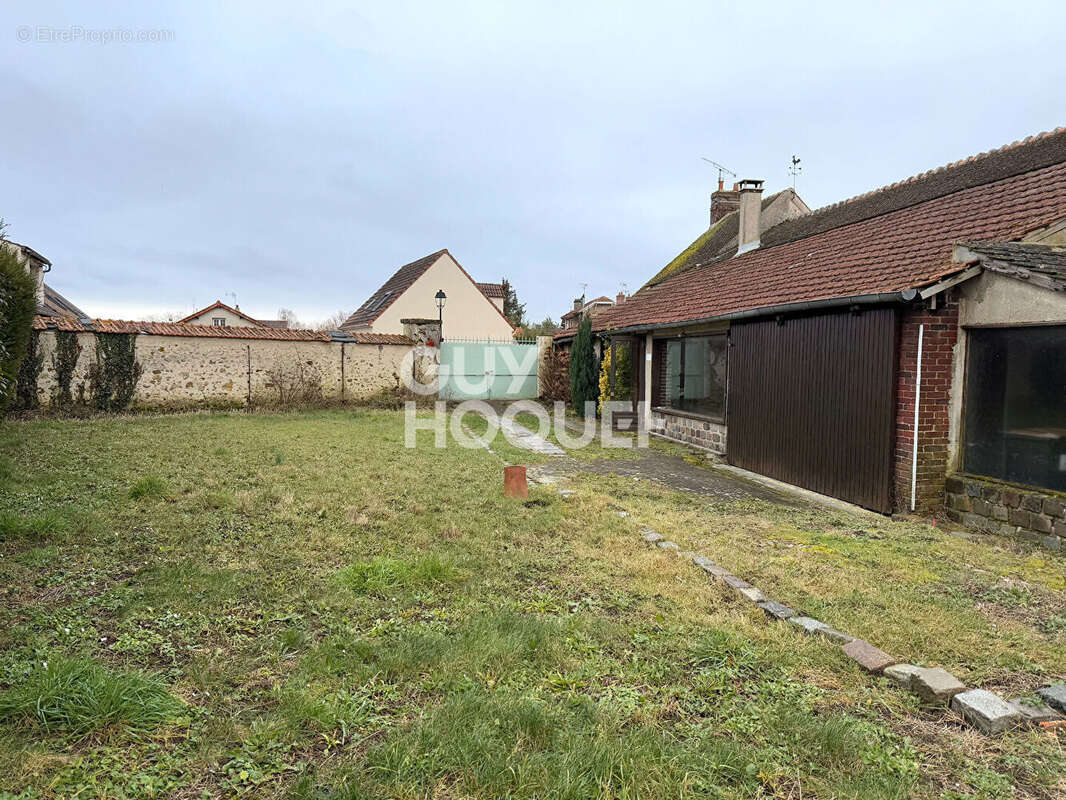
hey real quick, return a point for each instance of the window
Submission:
(696, 375)
(1015, 405)
(218, 322)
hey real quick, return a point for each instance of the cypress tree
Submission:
(584, 383)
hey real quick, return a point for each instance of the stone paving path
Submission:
(679, 474)
(521, 436)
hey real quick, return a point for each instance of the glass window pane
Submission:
(699, 385)
(1015, 405)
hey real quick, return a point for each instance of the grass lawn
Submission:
(295, 605)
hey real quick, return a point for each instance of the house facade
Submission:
(882, 349)
(220, 315)
(410, 294)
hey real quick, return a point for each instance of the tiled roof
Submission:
(384, 297)
(896, 249)
(56, 305)
(41, 323)
(1040, 259)
(399, 283)
(492, 290)
(717, 241)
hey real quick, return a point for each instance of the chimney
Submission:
(577, 304)
(723, 202)
(621, 298)
(750, 211)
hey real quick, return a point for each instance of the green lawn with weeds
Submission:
(296, 606)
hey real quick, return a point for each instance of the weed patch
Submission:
(79, 696)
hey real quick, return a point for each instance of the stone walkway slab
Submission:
(776, 610)
(1033, 714)
(867, 656)
(934, 684)
(1054, 696)
(985, 711)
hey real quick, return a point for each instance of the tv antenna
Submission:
(584, 288)
(231, 294)
(721, 171)
(794, 169)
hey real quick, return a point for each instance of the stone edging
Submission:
(982, 709)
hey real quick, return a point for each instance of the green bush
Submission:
(18, 304)
(584, 371)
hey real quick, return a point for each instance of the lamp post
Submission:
(441, 297)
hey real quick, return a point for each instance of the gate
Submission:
(811, 402)
(472, 369)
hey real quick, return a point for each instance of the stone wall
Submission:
(697, 431)
(993, 507)
(194, 370)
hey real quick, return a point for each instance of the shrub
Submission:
(555, 378)
(80, 696)
(583, 370)
(18, 304)
(295, 384)
(113, 376)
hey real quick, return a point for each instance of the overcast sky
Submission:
(296, 155)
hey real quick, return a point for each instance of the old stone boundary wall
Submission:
(195, 370)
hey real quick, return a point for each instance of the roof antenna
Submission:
(721, 170)
(794, 169)
(584, 288)
(234, 296)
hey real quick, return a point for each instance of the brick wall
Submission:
(939, 340)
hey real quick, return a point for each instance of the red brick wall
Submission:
(941, 333)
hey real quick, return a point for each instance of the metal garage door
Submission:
(812, 402)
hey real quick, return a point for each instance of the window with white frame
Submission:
(218, 322)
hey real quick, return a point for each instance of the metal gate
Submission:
(487, 370)
(812, 402)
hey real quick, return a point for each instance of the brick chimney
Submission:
(621, 298)
(578, 304)
(750, 210)
(724, 201)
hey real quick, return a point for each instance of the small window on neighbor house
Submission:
(696, 375)
(218, 322)
(1014, 424)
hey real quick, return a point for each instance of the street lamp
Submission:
(441, 297)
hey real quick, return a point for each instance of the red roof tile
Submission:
(212, 331)
(902, 249)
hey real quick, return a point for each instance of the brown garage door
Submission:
(812, 402)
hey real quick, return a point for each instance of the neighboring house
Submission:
(50, 303)
(572, 318)
(871, 348)
(496, 292)
(220, 315)
(411, 294)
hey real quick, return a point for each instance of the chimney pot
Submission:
(750, 213)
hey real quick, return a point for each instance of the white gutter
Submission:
(914, 430)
